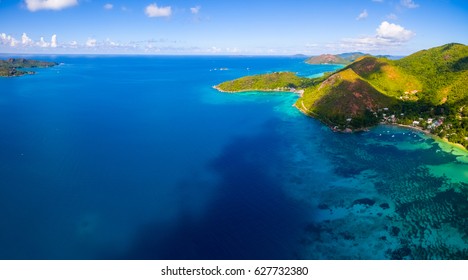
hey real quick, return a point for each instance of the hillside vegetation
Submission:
(9, 68)
(273, 82)
(441, 70)
(428, 89)
(344, 99)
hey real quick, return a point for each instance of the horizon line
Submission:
(190, 54)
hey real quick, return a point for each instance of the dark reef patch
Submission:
(384, 206)
(364, 201)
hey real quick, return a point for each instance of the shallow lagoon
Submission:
(139, 158)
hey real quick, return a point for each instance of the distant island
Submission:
(427, 90)
(278, 81)
(9, 67)
(343, 58)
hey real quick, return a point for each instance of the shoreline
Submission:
(20, 74)
(304, 111)
(428, 133)
(433, 136)
(300, 92)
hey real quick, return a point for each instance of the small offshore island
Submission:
(343, 58)
(427, 90)
(9, 67)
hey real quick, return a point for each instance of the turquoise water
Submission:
(139, 158)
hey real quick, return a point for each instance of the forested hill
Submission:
(428, 89)
(342, 58)
(443, 72)
(9, 67)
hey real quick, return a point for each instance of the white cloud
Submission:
(42, 43)
(153, 10)
(378, 1)
(233, 50)
(53, 41)
(91, 42)
(367, 43)
(214, 50)
(111, 43)
(25, 40)
(394, 32)
(3, 36)
(388, 35)
(108, 6)
(13, 42)
(8, 40)
(5, 39)
(311, 45)
(195, 10)
(392, 16)
(35, 5)
(362, 15)
(409, 4)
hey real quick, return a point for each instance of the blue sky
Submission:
(274, 27)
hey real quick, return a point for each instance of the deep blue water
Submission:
(139, 158)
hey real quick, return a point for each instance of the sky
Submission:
(242, 27)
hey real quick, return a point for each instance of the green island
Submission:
(427, 90)
(9, 67)
(277, 81)
(342, 58)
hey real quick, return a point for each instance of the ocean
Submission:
(138, 157)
